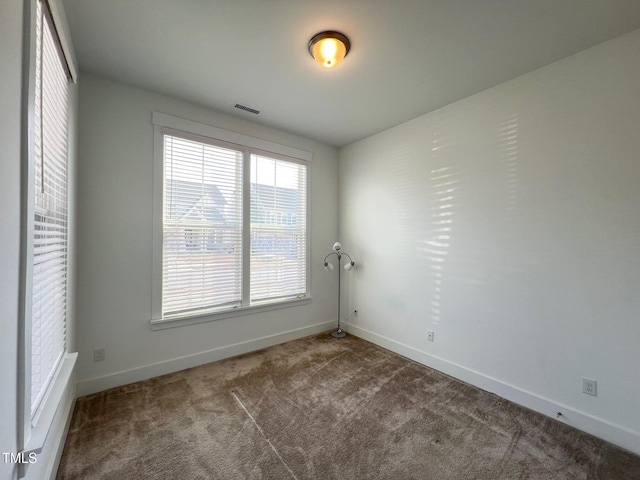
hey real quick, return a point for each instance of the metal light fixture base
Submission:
(338, 334)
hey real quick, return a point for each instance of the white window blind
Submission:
(49, 278)
(278, 228)
(202, 227)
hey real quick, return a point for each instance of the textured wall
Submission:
(508, 223)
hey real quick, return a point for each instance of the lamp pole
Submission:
(338, 333)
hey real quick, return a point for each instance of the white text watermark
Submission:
(20, 457)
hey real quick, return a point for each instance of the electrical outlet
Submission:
(99, 354)
(430, 335)
(589, 386)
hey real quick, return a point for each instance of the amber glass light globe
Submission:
(329, 48)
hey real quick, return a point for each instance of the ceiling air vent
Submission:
(247, 109)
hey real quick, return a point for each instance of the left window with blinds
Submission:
(50, 212)
(47, 381)
(202, 226)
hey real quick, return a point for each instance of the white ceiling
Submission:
(408, 57)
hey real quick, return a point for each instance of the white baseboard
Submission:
(616, 434)
(98, 384)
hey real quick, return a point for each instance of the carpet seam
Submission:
(264, 435)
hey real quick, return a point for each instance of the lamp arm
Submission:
(328, 255)
(350, 259)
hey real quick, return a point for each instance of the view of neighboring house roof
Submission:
(205, 202)
(196, 201)
(274, 199)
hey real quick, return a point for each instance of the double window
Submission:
(230, 220)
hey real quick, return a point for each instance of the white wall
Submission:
(509, 223)
(10, 79)
(115, 240)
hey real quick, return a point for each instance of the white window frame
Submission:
(33, 430)
(164, 123)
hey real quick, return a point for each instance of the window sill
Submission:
(161, 324)
(40, 431)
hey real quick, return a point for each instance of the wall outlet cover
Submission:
(589, 386)
(99, 354)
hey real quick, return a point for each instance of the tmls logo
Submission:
(20, 457)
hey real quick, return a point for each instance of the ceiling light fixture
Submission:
(329, 48)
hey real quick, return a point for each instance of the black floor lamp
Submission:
(337, 251)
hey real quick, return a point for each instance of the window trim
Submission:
(164, 123)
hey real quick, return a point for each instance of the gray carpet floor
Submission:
(322, 408)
